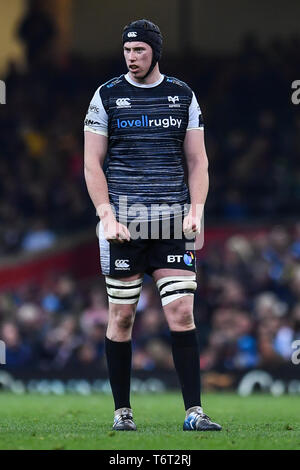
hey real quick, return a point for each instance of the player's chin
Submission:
(138, 73)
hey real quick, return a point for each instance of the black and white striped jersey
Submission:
(145, 126)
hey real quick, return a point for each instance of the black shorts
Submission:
(145, 255)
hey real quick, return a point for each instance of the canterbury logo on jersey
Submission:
(144, 121)
(122, 263)
(123, 103)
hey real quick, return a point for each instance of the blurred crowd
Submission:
(252, 137)
(247, 312)
(247, 305)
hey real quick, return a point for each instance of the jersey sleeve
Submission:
(195, 115)
(96, 119)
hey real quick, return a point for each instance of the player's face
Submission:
(138, 56)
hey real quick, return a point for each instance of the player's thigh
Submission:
(166, 272)
(119, 288)
(179, 309)
(171, 255)
(122, 260)
(132, 277)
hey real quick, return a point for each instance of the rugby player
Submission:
(146, 123)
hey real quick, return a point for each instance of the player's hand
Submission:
(115, 232)
(192, 223)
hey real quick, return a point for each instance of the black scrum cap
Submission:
(145, 31)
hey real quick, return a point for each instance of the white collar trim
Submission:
(150, 85)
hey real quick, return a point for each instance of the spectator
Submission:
(18, 353)
(38, 238)
(243, 318)
(37, 30)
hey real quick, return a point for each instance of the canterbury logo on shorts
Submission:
(122, 264)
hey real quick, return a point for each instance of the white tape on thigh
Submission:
(174, 287)
(123, 292)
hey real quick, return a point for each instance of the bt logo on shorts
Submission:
(188, 258)
(174, 258)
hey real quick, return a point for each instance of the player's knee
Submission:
(180, 316)
(124, 318)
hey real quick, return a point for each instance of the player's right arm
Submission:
(95, 150)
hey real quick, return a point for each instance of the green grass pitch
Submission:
(84, 422)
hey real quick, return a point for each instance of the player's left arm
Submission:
(198, 178)
(197, 166)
